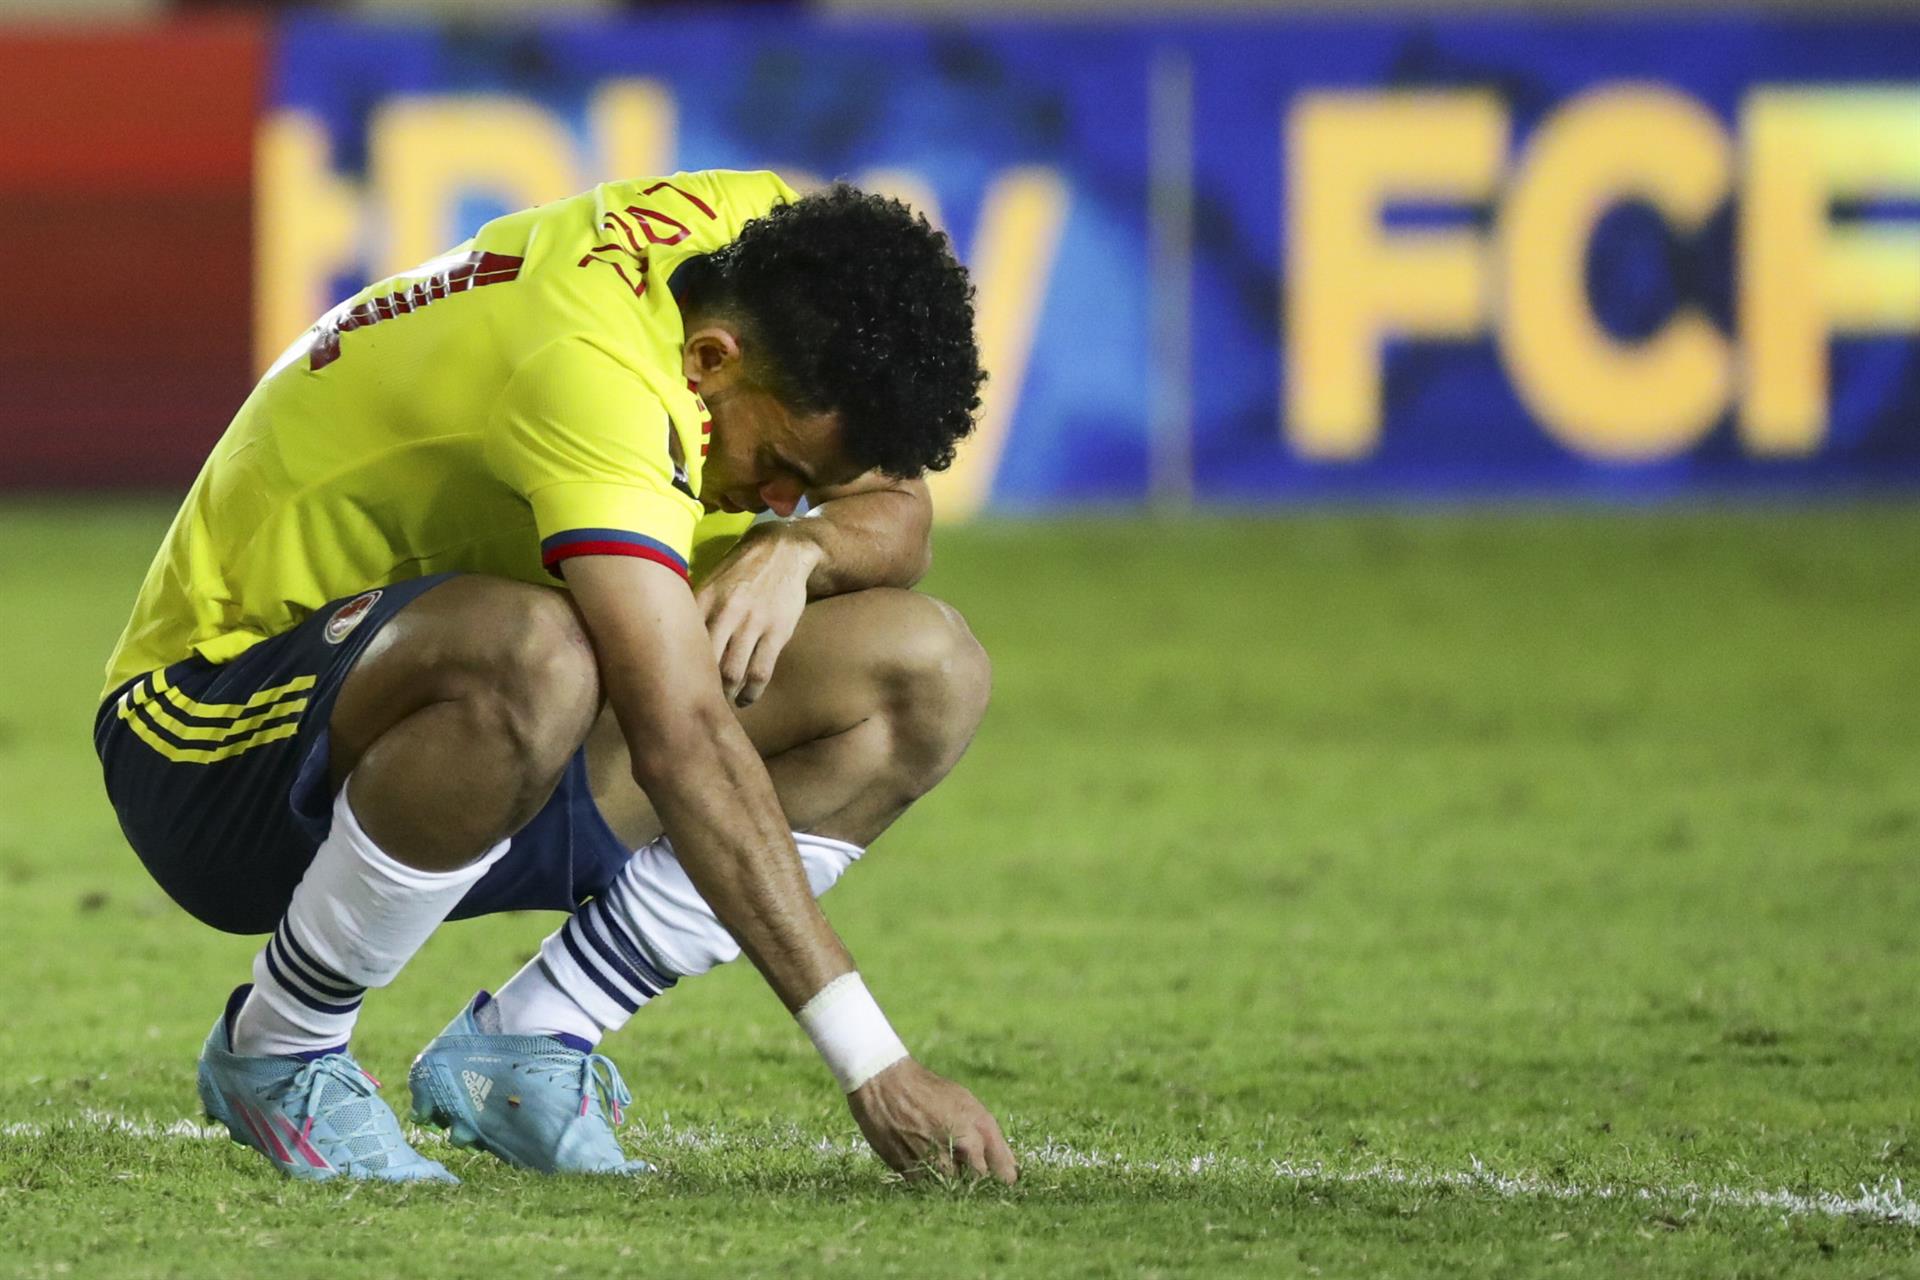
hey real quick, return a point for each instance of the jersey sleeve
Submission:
(580, 436)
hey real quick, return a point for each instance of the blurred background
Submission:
(1227, 253)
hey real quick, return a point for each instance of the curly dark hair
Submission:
(859, 306)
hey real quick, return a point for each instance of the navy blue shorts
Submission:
(219, 776)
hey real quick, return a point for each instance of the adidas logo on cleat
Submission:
(478, 1087)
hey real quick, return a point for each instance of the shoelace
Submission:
(337, 1068)
(597, 1075)
(598, 1072)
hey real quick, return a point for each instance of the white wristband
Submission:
(847, 1027)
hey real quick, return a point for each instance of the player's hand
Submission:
(919, 1122)
(751, 605)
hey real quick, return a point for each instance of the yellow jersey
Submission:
(518, 400)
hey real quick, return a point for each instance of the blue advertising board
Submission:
(1240, 262)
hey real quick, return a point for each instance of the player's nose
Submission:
(780, 497)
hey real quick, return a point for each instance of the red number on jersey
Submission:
(612, 252)
(647, 217)
(630, 259)
(688, 196)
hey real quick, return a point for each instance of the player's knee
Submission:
(547, 674)
(936, 686)
(534, 686)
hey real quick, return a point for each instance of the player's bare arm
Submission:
(873, 532)
(715, 799)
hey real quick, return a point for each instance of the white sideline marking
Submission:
(1885, 1201)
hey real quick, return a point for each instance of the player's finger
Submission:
(720, 628)
(999, 1155)
(971, 1156)
(747, 653)
(733, 663)
(759, 672)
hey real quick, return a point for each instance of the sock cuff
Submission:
(387, 867)
(824, 859)
(827, 844)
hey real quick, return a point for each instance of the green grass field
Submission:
(1509, 894)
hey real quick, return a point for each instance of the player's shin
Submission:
(356, 917)
(647, 931)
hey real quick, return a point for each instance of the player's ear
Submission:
(708, 350)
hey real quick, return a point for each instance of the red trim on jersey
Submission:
(474, 271)
(568, 550)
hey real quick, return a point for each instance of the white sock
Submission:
(650, 929)
(356, 917)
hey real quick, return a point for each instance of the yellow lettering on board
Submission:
(306, 227)
(1350, 283)
(1802, 278)
(635, 124)
(424, 153)
(1014, 246)
(1597, 396)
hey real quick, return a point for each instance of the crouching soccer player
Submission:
(421, 645)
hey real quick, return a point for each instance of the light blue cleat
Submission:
(531, 1100)
(314, 1119)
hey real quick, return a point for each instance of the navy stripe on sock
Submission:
(291, 976)
(637, 954)
(322, 976)
(603, 942)
(610, 952)
(318, 1006)
(323, 980)
(614, 993)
